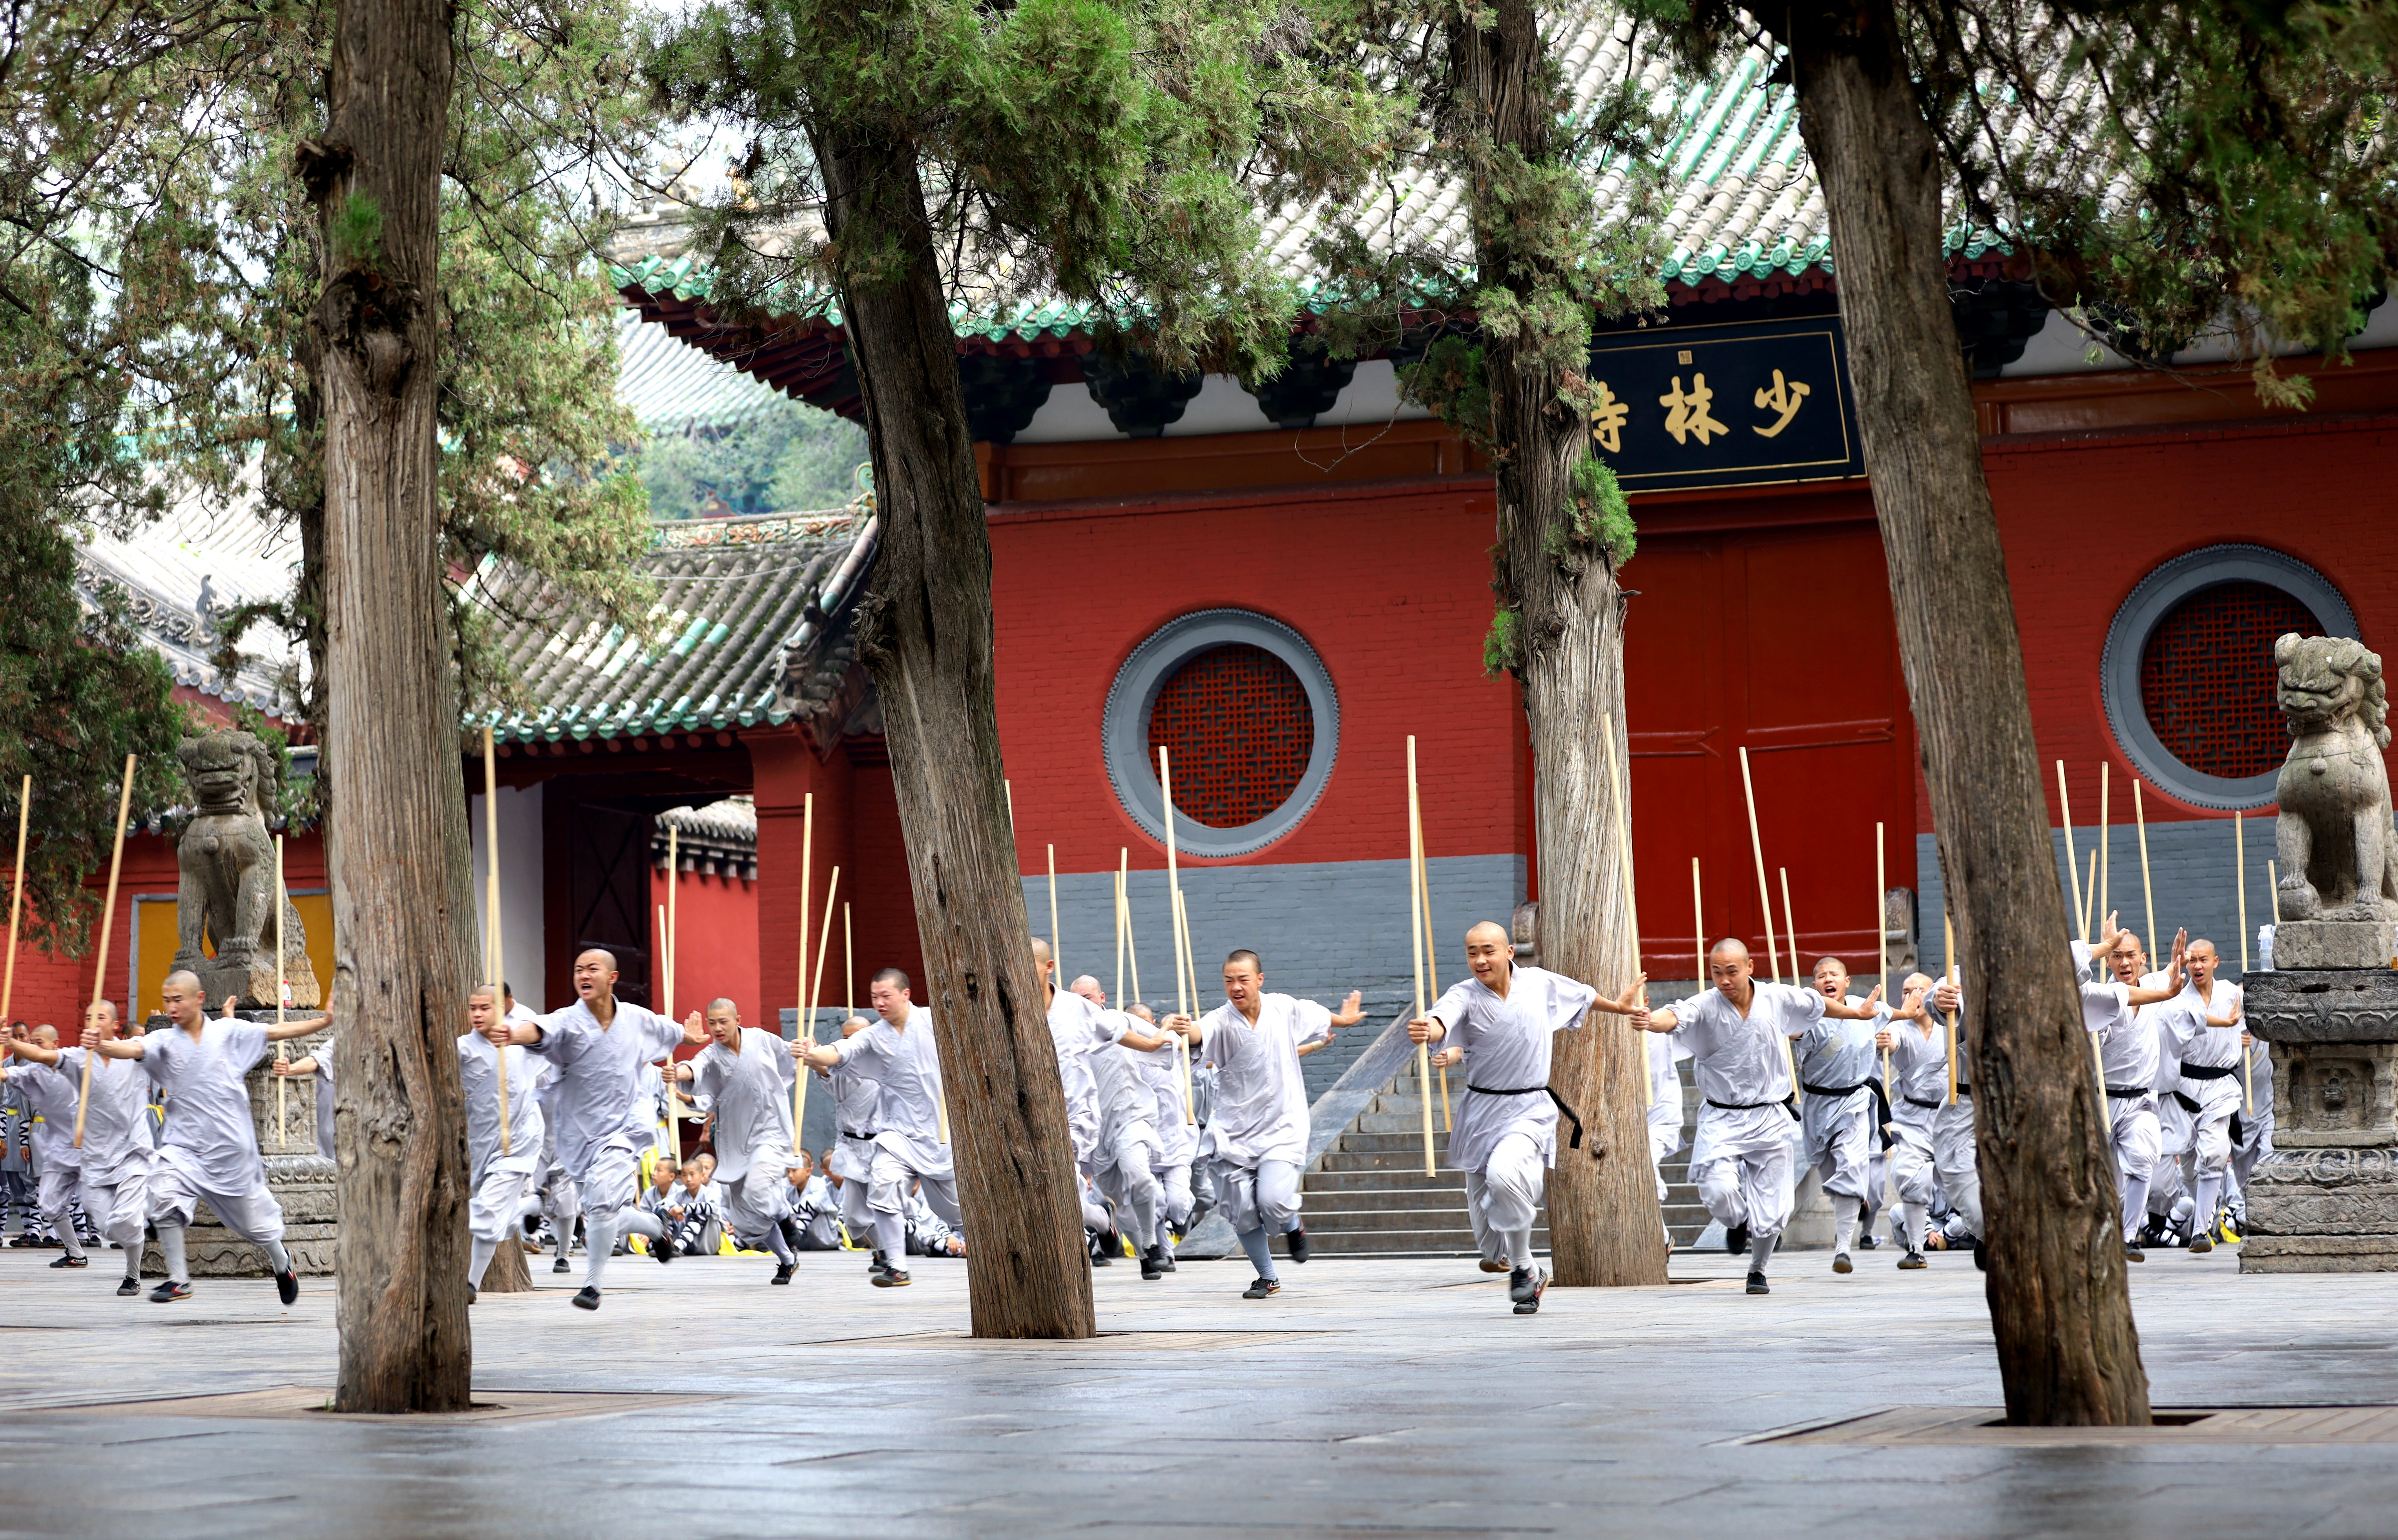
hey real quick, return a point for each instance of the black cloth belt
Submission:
(2124, 1092)
(2188, 1103)
(1751, 1106)
(852, 1133)
(1963, 1090)
(1881, 1103)
(1563, 1109)
(2207, 1072)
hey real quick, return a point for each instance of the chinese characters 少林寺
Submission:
(1686, 414)
(1784, 399)
(1607, 420)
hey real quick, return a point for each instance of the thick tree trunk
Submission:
(509, 1274)
(926, 632)
(2059, 1303)
(1604, 1224)
(397, 849)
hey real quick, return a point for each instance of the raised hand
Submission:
(230, 1000)
(1353, 1009)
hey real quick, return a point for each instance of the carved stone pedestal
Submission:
(301, 1179)
(2327, 1200)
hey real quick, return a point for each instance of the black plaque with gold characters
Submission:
(1746, 405)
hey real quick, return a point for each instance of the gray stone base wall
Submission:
(303, 1184)
(2323, 1211)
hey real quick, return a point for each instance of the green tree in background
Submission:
(786, 458)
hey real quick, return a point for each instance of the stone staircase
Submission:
(1367, 1194)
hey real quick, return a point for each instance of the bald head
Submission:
(180, 998)
(1729, 968)
(1490, 952)
(1088, 987)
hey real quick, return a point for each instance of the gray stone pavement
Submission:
(1370, 1398)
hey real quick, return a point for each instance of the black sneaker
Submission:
(1297, 1241)
(588, 1298)
(1264, 1288)
(2133, 1253)
(1981, 1254)
(1868, 1242)
(169, 1291)
(1757, 1284)
(1736, 1238)
(72, 1262)
(1098, 1249)
(473, 1294)
(129, 1288)
(561, 1265)
(890, 1277)
(1525, 1287)
(783, 1271)
(1151, 1269)
(876, 1268)
(1912, 1260)
(663, 1248)
(287, 1285)
(1840, 1263)
(2200, 1244)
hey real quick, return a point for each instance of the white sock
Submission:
(278, 1258)
(170, 1245)
(1844, 1222)
(599, 1240)
(1759, 1248)
(479, 1259)
(1519, 1248)
(67, 1236)
(1911, 1216)
(2210, 1189)
(890, 1235)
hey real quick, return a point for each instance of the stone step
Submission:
(1364, 1144)
(1451, 1199)
(1457, 1242)
(1394, 1161)
(1326, 1219)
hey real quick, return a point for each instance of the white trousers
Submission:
(1840, 1141)
(1503, 1198)
(171, 1195)
(2134, 1135)
(498, 1202)
(1747, 1187)
(1262, 1198)
(1957, 1162)
(118, 1207)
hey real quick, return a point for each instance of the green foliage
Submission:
(788, 458)
(355, 232)
(1116, 155)
(1503, 645)
(1599, 518)
(2180, 171)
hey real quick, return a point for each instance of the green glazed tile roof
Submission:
(709, 657)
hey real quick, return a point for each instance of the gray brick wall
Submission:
(2190, 864)
(1323, 929)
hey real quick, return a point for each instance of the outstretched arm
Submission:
(1655, 1020)
(279, 1031)
(1841, 1011)
(1625, 1003)
(293, 1068)
(32, 1051)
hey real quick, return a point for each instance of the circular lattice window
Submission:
(2189, 676)
(1248, 717)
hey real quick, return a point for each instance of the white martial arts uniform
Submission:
(324, 1089)
(856, 1104)
(1934, 1154)
(2253, 1129)
(1741, 1151)
(1256, 1141)
(2129, 1056)
(906, 1065)
(500, 1181)
(1129, 1147)
(51, 1098)
(210, 1149)
(2167, 1179)
(1178, 1142)
(817, 1209)
(2207, 1093)
(749, 1095)
(1505, 1136)
(1841, 1111)
(116, 1148)
(1079, 1029)
(603, 1118)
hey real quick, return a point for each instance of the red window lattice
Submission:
(1238, 731)
(2208, 679)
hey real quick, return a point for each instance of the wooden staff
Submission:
(1882, 937)
(800, 999)
(1432, 959)
(1185, 987)
(494, 967)
(1056, 958)
(2239, 887)
(1620, 785)
(1699, 921)
(2072, 857)
(674, 913)
(1948, 933)
(1132, 945)
(665, 996)
(16, 899)
(2097, 1056)
(1764, 895)
(1789, 927)
(2273, 894)
(2104, 865)
(282, 1056)
(107, 926)
(1124, 859)
(2147, 891)
(1765, 905)
(1009, 786)
(1416, 942)
(823, 940)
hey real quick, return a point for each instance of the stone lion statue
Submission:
(2335, 839)
(226, 860)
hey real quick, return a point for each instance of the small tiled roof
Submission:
(734, 597)
(181, 572)
(671, 388)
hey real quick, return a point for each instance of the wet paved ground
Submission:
(1370, 1398)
